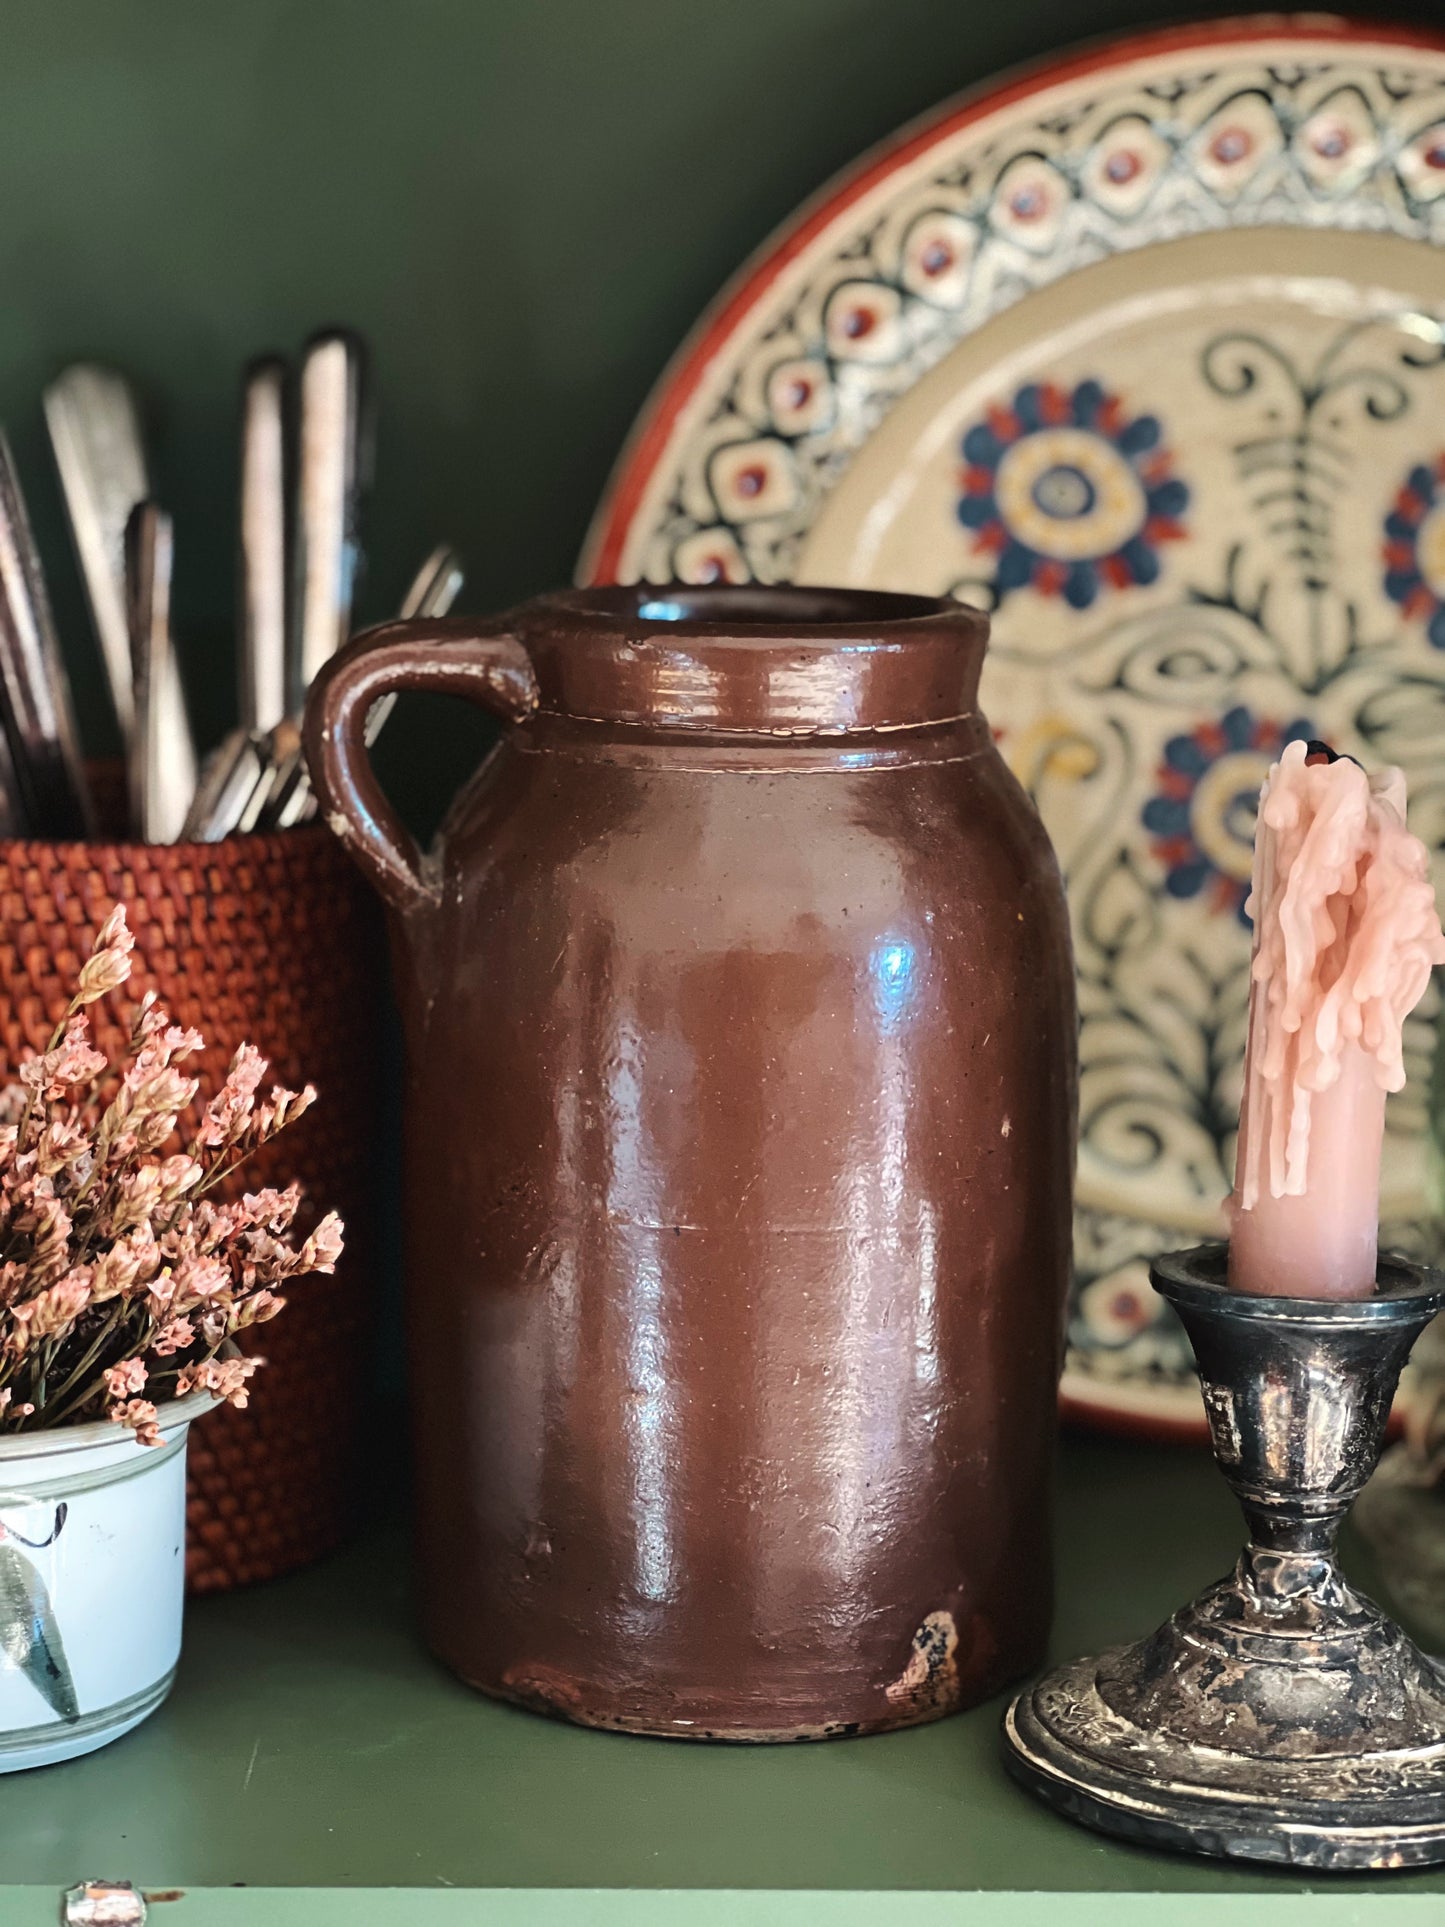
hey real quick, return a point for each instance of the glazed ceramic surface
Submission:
(740, 1029)
(92, 1581)
(1142, 354)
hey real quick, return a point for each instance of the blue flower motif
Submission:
(1201, 816)
(1070, 494)
(1414, 548)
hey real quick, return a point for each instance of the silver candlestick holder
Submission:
(1281, 1716)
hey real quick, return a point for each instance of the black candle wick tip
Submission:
(1317, 750)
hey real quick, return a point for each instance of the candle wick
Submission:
(1318, 751)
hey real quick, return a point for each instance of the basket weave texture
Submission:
(273, 940)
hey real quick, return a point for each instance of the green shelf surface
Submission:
(315, 1766)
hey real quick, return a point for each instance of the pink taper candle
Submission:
(1346, 932)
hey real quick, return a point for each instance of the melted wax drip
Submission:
(1346, 932)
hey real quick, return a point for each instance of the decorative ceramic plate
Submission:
(1145, 353)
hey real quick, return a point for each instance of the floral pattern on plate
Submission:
(1414, 554)
(1201, 815)
(1069, 492)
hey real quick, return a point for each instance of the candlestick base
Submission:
(1281, 1716)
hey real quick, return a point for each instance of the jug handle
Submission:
(454, 656)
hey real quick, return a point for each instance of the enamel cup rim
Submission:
(176, 1413)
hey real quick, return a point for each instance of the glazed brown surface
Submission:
(740, 1027)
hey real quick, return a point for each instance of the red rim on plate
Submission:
(647, 444)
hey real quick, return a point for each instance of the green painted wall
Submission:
(523, 204)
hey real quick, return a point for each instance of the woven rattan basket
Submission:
(273, 939)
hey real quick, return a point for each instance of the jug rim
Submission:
(757, 660)
(763, 612)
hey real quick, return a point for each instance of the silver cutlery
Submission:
(328, 484)
(12, 805)
(294, 608)
(95, 431)
(237, 775)
(288, 799)
(266, 807)
(263, 545)
(230, 777)
(257, 779)
(48, 793)
(434, 588)
(163, 776)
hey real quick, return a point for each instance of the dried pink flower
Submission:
(164, 1090)
(198, 1279)
(173, 1337)
(131, 1261)
(119, 1274)
(141, 1416)
(228, 1112)
(179, 1174)
(281, 1108)
(161, 1290)
(62, 1142)
(214, 1324)
(68, 1063)
(137, 1194)
(49, 1227)
(108, 964)
(127, 1377)
(115, 933)
(324, 1246)
(49, 1313)
(255, 1310)
(223, 1378)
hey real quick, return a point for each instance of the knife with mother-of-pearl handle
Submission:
(50, 794)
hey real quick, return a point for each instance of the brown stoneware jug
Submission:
(740, 1027)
